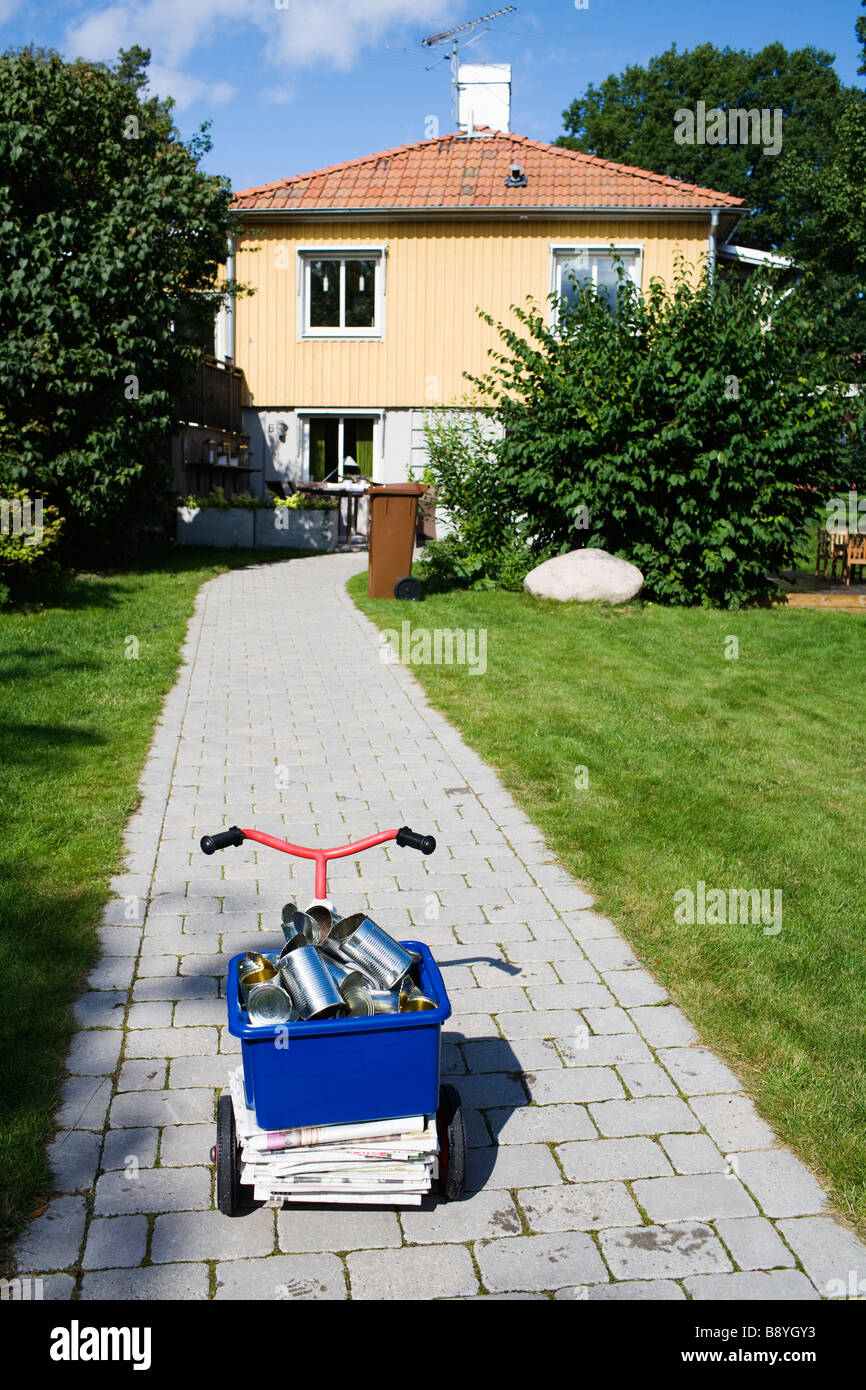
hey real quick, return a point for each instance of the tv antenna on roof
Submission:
(451, 34)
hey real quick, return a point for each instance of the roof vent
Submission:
(516, 177)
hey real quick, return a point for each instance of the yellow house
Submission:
(367, 276)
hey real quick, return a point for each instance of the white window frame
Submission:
(558, 249)
(378, 418)
(307, 254)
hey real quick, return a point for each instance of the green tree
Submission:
(110, 242)
(826, 210)
(629, 118)
(683, 432)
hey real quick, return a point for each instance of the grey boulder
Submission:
(584, 575)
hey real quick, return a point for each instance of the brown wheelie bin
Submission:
(391, 536)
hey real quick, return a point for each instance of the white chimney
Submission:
(484, 96)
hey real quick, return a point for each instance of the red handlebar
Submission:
(321, 856)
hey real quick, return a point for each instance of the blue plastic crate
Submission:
(337, 1071)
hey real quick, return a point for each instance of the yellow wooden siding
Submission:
(437, 272)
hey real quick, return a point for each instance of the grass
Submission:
(76, 719)
(738, 772)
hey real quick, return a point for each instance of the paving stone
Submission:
(112, 972)
(94, 1052)
(663, 1025)
(696, 1071)
(413, 1272)
(594, 1160)
(115, 1242)
(176, 987)
(346, 1228)
(645, 1079)
(612, 1020)
(74, 1159)
(663, 1252)
(633, 987)
(693, 1153)
(573, 1084)
(208, 1235)
(172, 1042)
(282, 1278)
(101, 1009)
(539, 1023)
(759, 1288)
(655, 1115)
(210, 1072)
(701, 1197)
(583, 1206)
(833, 1257)
(513, 1165)
(754, 1243)
(733, 1122)
(124, 1148)
(153, 1190)
(574, 995)
(780, 1182)
(631, 1291)
(585, 1049)
(495, 1054)
(184, 1146)
(493, 1088)
(156, 1283)
(611, 953)
(541, 1123)
(474, 1216)
(53, 1240)
(84, 1103)
(538, 1263)
(142, 1075)
(150, 1015)
(174, 1107)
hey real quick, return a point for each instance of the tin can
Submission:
(385, 1001)
(254, 970)
(309, 983)
(372, 949)
(416, 1002)
(344, 976)
(269, 1004)
(359, 1002)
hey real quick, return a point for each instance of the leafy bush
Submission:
(29, 529)
(685, 432)
(306, 502)
(487, 547)
(299, 501)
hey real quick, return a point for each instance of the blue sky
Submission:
(292, 85)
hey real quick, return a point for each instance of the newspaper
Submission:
(381, 1162)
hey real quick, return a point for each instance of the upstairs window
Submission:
(342, 295)
(588, 265)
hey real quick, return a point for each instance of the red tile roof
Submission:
(454, 171)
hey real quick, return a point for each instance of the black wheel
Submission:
(452, 1144)
(233, 1197)
(409, 588)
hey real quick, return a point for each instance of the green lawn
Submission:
(76, 718)
(741, 773)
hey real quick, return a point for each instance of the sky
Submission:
(293, 85)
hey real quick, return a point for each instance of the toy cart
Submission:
(343, 1070)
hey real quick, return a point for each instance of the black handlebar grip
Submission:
(232, 836)
(412, 840)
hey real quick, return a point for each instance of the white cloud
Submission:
(8, 8)
(306, 34)
(186, 89)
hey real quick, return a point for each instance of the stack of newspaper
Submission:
(381, 1162)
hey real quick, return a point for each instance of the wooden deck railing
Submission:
(216, 397)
